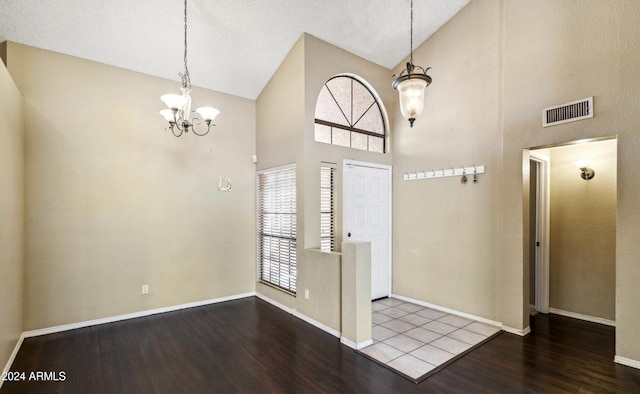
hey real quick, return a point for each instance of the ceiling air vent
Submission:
(569, 112)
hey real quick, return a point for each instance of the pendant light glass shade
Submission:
(411, 95)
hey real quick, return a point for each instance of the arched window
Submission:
(348, 114)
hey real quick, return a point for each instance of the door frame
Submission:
(543, 197)
(347, 164)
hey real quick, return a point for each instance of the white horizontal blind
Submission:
(327, 214)
(277, 227)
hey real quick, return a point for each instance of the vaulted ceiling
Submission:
(234, 46)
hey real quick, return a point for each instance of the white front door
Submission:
(367, 217)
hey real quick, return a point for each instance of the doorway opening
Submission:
(571, 223)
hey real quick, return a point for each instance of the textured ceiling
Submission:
(234, 45)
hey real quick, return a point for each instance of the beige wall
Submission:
(356, 293)
(583, 231)
(279, 121)
(322, 62)
(496, 65)
(11, 212)
(280, 113)
(556, 52)
(447, 234)
(285, 134)
(320, 272)
(114, 201)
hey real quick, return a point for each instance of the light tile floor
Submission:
(415, 340)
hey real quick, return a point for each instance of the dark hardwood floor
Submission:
(250, 346)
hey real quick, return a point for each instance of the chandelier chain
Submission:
(179, 114)
(186, 79)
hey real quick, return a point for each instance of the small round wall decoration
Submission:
(224, 183)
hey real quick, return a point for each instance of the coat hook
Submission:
(464, 176)
(475, 174)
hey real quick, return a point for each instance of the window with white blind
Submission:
(327, 204)
(277, 227)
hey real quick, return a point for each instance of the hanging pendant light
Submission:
(411, 84)
(179, 111)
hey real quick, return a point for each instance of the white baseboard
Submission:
(88, 323)
(580, 316)
(449, 311)
(515, 331)
(300, 316)
(7, 367)
(627, 361)
(275, 303)
(317, 324)
(353, 345)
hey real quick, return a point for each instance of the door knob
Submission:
(348, 235)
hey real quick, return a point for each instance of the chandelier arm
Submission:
(197, 121)
(177, 120)
(179, 124)
(174, 128)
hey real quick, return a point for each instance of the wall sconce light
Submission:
(586, 173)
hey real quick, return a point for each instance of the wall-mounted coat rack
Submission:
(444, 172)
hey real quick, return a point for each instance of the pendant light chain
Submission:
(411, 35)
(186, 79)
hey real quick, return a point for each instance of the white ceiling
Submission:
(234, 46)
